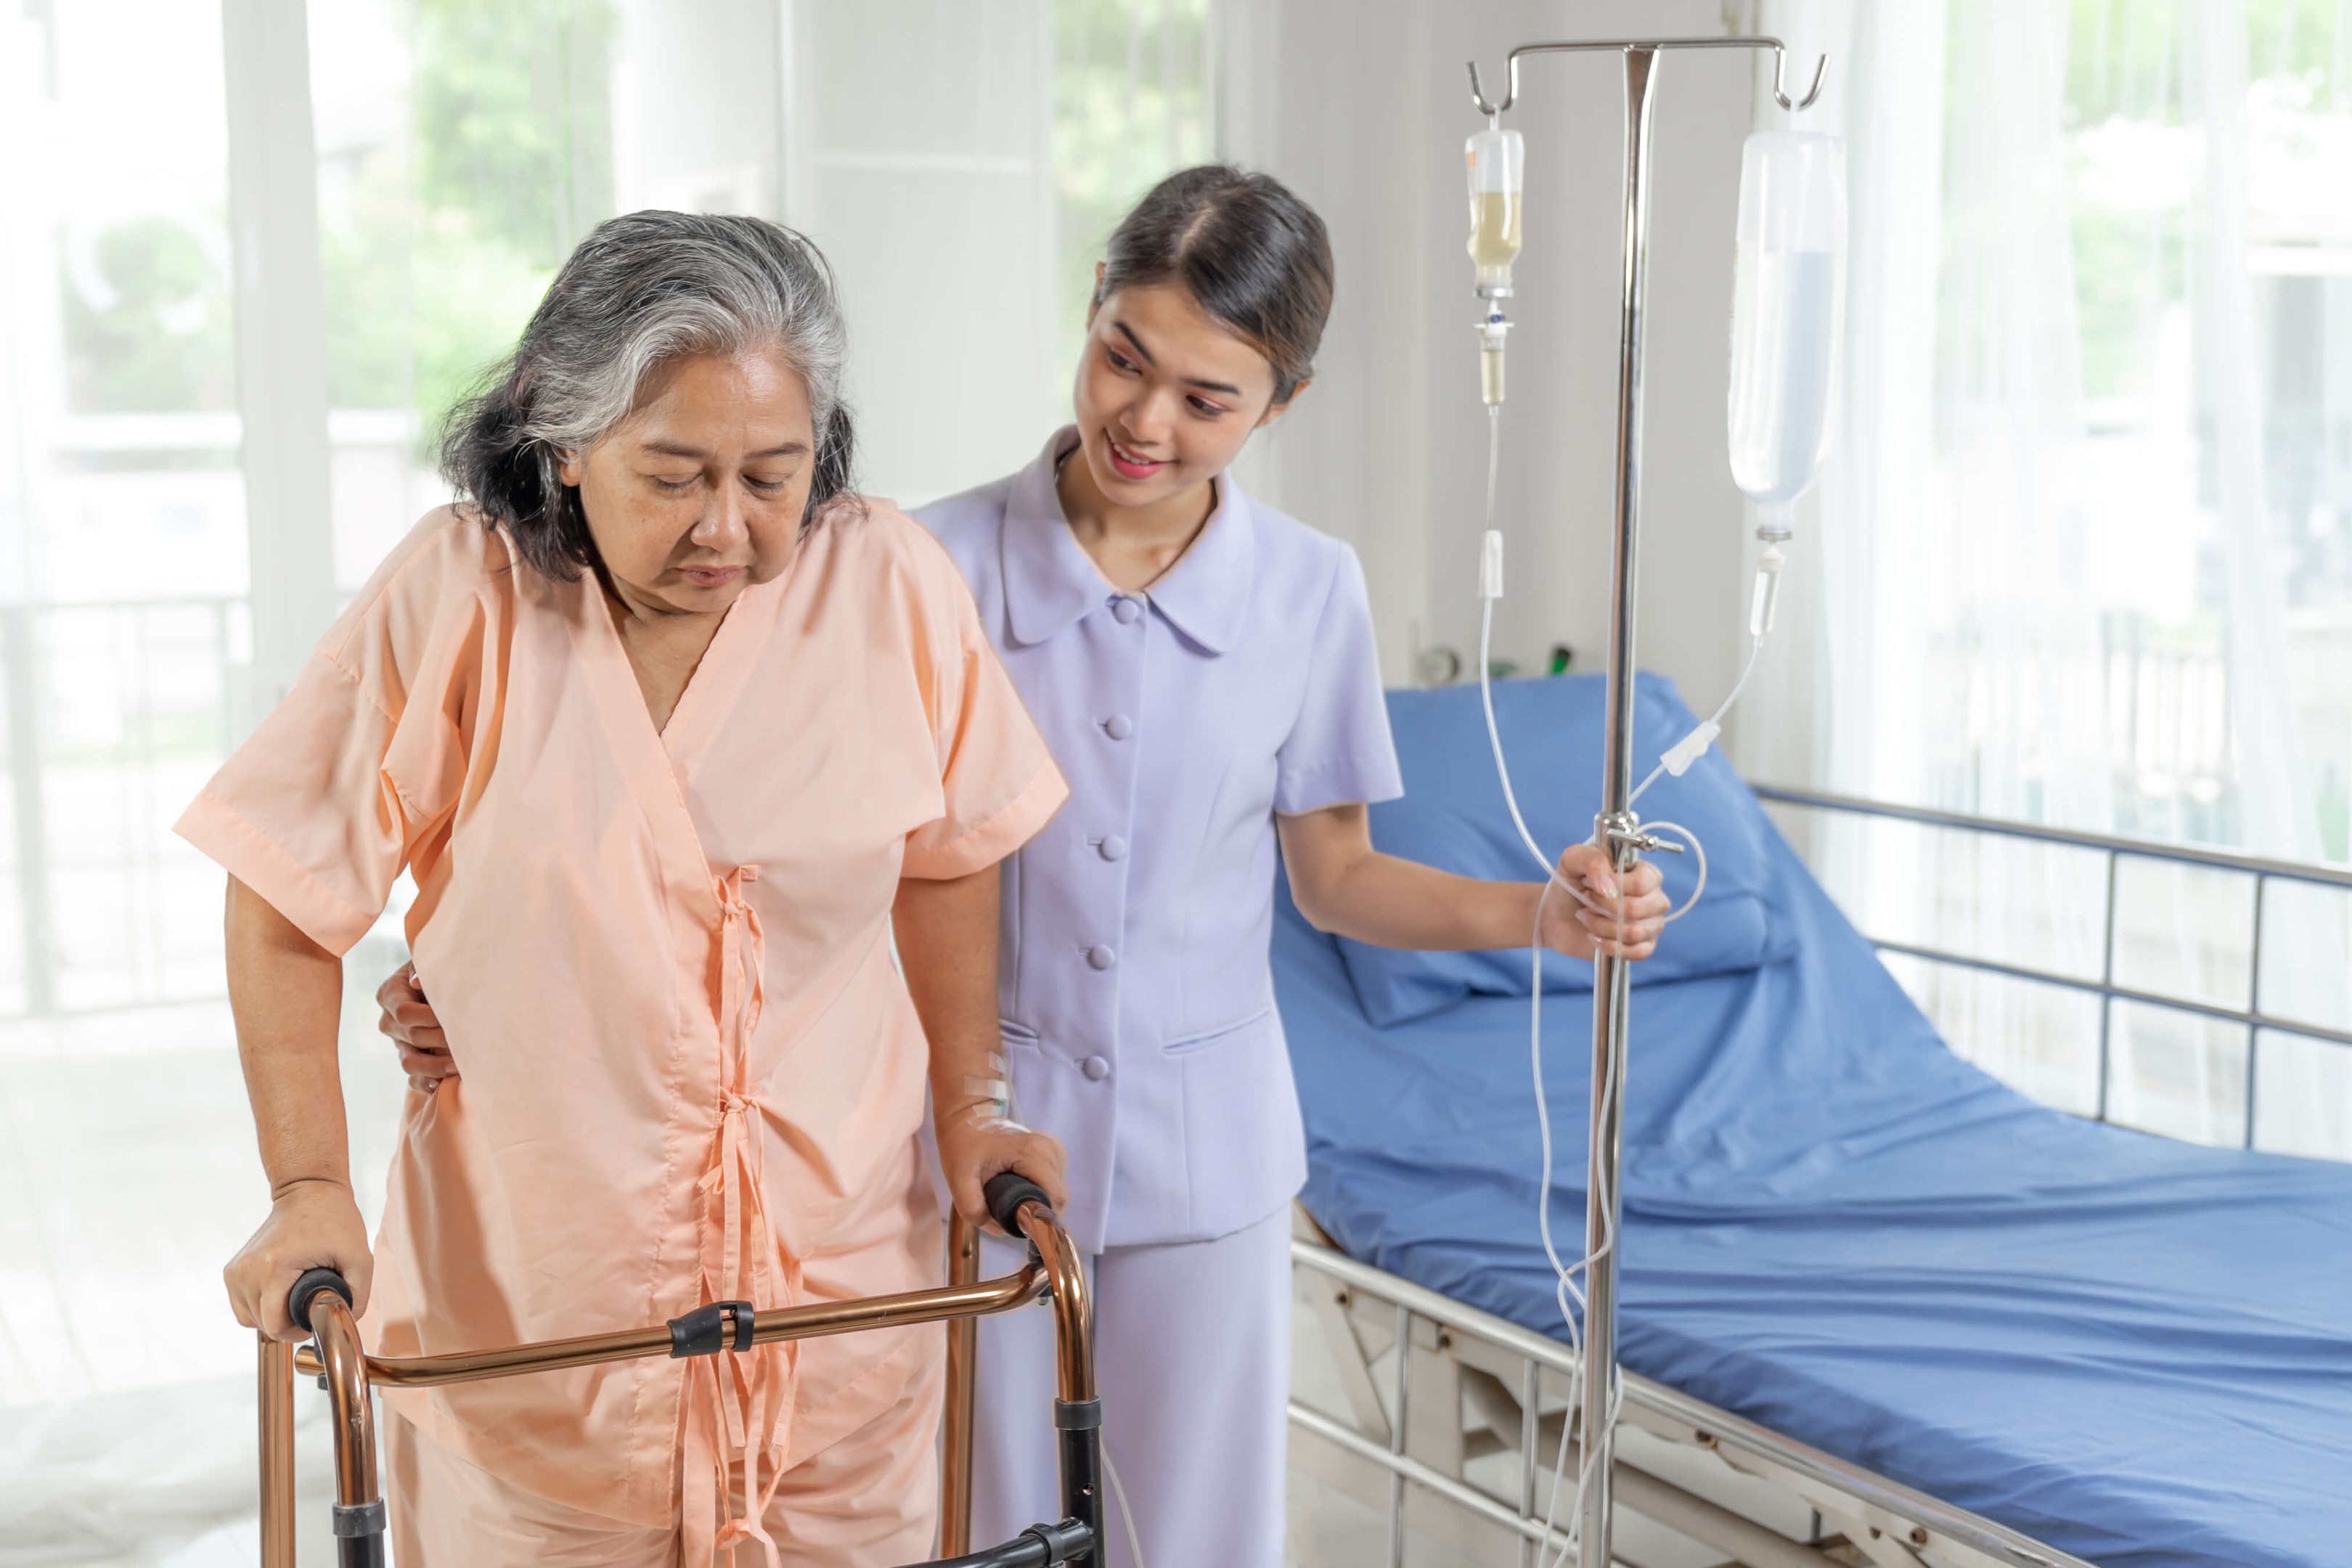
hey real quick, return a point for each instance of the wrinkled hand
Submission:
(409, 1020)
(973, 1149)
(1604, 917)
(312, 1224)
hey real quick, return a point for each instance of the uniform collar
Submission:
(1050, 583)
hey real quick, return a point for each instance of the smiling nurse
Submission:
(1202, 668)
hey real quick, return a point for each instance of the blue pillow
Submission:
(1453, 816)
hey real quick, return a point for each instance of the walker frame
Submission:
(1055, 1270)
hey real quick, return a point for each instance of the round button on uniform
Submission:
(1096, 1069)
(1113, 848)
(1119, 726)
(1125, 609)
(1101, 956)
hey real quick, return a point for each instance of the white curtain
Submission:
(2053, 582)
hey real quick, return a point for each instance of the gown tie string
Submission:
(738, 1403)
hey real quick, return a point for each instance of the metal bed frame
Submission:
(1470, 1386)
(321, 1301)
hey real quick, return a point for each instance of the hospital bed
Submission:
(1875, 1306)
(320, 1301)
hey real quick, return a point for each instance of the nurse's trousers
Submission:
(1192, 1355)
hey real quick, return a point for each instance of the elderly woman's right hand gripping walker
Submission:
(321, 1301)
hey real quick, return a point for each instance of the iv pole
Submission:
(1617, 825)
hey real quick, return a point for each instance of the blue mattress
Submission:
(2138, 1350)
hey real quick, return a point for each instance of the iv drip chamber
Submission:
(1496, 160)
(1786, 305)
(1497, 164)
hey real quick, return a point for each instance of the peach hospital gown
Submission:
(690, 1069)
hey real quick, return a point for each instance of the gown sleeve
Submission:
(328, 800)
(996, 774)
(1339, 750)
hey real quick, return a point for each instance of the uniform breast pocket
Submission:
(1201, 1039)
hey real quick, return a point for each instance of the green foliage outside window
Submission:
(434, 253)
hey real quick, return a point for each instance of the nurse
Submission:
(672, 733)
(1204, 669)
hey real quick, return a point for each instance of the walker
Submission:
(321, 1301)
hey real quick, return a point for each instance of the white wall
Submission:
(1362, 106)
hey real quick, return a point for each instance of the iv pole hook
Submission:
(1780, 67)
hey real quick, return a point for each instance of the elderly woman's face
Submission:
(701, 490)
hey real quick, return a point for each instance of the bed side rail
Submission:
(2253, 1018)
(1887, 1523)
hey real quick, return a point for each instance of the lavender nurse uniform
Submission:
(1137, 996)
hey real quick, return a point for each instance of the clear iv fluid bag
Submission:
(1497, 166)
(1786, 303)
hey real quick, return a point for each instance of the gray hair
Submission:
(640, 291)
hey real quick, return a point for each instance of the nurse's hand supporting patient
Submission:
(287, 993)
(409, 1022)
(1343, 885)
(947, 934)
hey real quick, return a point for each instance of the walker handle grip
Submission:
(1005, 1193)
(307, 1291)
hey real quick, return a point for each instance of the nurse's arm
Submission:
(946, 929)
(1344, 886)
(287, 992)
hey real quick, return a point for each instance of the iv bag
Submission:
(1498, 163)
(1786, 305)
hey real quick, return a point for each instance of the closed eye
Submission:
(673, 487)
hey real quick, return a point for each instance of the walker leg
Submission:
(277, 1361)
(964, 1349)
(359, 1506)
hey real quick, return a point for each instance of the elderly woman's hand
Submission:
(976, 1143)
(1609, 913)
(311, 1224)
(410, 1023)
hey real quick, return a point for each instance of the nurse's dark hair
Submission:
(640, 291)
(1252, 255)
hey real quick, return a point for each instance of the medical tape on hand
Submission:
(987, 1116)
(995, 1093)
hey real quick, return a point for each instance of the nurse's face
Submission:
(1167, 395)
(701, 490)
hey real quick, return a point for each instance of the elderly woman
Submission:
(674, 735)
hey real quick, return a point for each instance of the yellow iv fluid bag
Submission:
(1497, 164)
(1786, 303)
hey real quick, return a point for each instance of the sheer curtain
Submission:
(960, 162)
(2085, 550)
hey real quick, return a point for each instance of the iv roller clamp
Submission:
(320, 1300)
(1495, 158)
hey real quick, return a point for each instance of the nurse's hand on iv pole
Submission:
(408, 1019)
(312, 1224)
(1592, 922)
